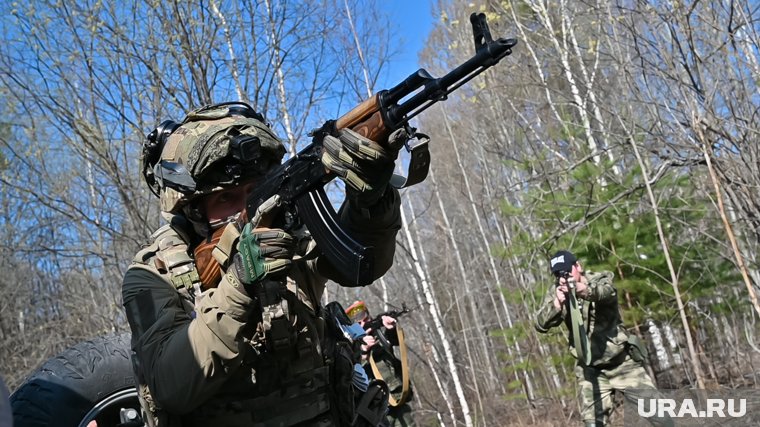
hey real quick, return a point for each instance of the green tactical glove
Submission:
(263, 252)
(364, 165)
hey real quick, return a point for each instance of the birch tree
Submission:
(84, 83)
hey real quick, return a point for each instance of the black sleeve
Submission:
(183, 357)
(391, 335)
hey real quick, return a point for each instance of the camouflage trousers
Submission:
(401, 416)
(597, 388)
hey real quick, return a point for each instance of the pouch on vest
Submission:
(637, 349)
(356, 405)
(373, 406)
(339, 354)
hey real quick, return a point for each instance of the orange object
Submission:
(358, 311)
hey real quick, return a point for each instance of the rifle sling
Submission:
(405, 389)
(580, 338)
(419, 163)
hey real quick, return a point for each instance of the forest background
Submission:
(625, 131)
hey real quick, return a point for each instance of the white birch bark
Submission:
(660, 352)
(384, 292)
(504, 234)
(467, 295)
(541, 75)
(542, 12)
(430, 347)
(484, 242)
(439, 384)
(359, 50)
(436, 317)
(589, 80)
(675, 348)
(274, 47)
(424, 263)
(235, 74)
(693, 355)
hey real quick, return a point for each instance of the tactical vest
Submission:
(286, 378)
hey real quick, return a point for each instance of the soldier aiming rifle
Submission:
(382, 362)
(224, 300)
(609, 359)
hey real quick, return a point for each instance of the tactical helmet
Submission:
(215, 147)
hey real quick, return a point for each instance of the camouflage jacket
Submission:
(190, 353)
(601, 314)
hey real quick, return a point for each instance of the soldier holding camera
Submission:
(609, 358)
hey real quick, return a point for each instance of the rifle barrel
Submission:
(437, 89)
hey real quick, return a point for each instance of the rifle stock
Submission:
(300, 180)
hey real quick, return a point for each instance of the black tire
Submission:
(92, 380)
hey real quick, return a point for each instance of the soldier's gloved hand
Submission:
(263, 252)
(364, 165)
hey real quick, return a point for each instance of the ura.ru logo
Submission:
(720, 408)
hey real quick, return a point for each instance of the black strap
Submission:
(419, 162)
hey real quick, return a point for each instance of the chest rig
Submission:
(285, 324)
(279, 302)
(286, 378)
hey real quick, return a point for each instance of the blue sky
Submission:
(414, 21)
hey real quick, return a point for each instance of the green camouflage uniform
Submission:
(196, 362)
(612, 367)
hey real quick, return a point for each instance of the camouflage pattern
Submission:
(195, 359)
(607, 336)
(611, 367)
(598, 385)
(401, 416)
(202, 141)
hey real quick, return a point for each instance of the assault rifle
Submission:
(301, 179)
(577, 326)
(377, 322)
(561, 275)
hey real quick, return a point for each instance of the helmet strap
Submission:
(219, 223)
(194, 213)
